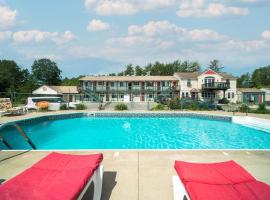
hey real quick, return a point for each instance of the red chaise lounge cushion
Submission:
(57, 176)
(220, 181)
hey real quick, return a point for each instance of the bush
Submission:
(121, 106)
(244, 108)
(175, 104)
(63, 107)
(159, 107)
(262, 109)
(80, 106)
(223, 101)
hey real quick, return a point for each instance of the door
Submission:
(260, 99)
(158, 86)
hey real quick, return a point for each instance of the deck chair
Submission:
(216, 181)
(57, 176)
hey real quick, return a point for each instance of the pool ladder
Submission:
(20, 131)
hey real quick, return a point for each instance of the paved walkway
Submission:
(144, 175)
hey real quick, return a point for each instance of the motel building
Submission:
(206, 86)
(128, 88)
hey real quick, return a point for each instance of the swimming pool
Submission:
(136, 132)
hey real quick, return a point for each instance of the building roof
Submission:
(194, 75)
(250, 90)
(226, 75)
(129, 78)
(188, 75)
(65, 89)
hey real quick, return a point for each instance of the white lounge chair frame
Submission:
(97, 181)
(179, 190)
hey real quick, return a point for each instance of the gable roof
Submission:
(187, 75)
(194, 75)
(128, 78)
(65, 89)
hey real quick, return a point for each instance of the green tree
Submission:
(139, 71)
(46, 72)
(11, 76)
(261, 77)
(129, 71)
(244, 81)
(71, 81)
(215, 66)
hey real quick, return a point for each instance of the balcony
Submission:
(216, 86)
(135, 89)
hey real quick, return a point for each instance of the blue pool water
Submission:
(138, 133)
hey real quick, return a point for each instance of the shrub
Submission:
(80, 106)
(174, 104)
(121, 106)
(244, 108)
(223, 101)
(262, 109)
(63, 107)
(159, 107)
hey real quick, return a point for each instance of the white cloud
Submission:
(89, 3)
(204, 35)
(116, 7)
(153, 28)
(197, 8)
(266, 35)
(163, 35)
(97, 25)
(5, 35)
(126, 7)
(64, 38)
(40, 36)
(7, 17)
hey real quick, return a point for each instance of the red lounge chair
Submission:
(57, 176)
(217, 181)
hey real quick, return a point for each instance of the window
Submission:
(100, 83)
(114, 96)
(136, 83)
(121, 96)
(150, 84)
(229, 95)
(121, 84)
(90, 84)
(189, 83)
(150, 96)
(183, 95)
(186, 94)
(232, 95)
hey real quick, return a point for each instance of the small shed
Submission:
(68, 93)
(250, 95)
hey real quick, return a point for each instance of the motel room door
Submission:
(260, 99)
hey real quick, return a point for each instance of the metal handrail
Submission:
(21, 132)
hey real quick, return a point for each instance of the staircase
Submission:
(252, 122)
(92, 95)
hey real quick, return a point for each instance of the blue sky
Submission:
(102, 36)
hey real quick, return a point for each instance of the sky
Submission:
(102, 36)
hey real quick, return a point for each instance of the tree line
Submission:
(46, 72)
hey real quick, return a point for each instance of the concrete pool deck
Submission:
(143, 175)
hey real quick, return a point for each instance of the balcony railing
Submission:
(216, 86)
(132, 89)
